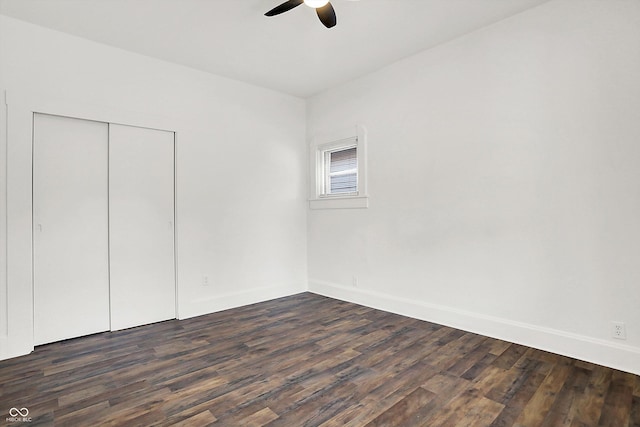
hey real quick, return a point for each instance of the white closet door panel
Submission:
(141, 209)
(70, 239)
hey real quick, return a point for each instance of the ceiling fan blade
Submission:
(284, 7)
(327, 15)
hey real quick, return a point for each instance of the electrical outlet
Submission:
(354, 281)
(618, 330)
(205, 280)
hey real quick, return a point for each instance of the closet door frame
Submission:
(16, 296)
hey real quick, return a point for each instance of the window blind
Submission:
(343, 171)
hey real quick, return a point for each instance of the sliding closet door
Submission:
(141, 209)
(70, 236)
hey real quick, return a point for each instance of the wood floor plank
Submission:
(277, 399)
(537, 408)
(480, 412)
(260, 418)
(519, 397)
(317, 406)
(616, 409)
(587, 407)
(204, 418)
(510, 356)
(455, 351)
(469, 408)
(634, 417)
(308, 360)
(108, 395)
(509, 382)
(405, 411)
(478, 368)
(375, 396)
(350, 416)
(470, 359)
(560, 413)
(80, 416)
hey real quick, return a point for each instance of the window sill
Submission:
(345, 202)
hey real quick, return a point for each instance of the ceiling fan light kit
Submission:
(316, 3)
(324, 9)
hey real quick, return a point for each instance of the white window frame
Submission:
(320, 155)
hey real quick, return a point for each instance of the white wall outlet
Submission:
(354, 281)
(618, 330)
(205, 280)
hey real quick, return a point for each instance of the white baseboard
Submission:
(594, 350)
(9, 350)
(227, 301)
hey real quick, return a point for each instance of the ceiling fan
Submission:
(323, 8)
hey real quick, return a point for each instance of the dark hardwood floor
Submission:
(308, 360)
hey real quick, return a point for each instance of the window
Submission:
(338, 171)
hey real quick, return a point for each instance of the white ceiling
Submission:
(292, 52)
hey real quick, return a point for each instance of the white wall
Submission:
(241, 167)
(504, 183)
